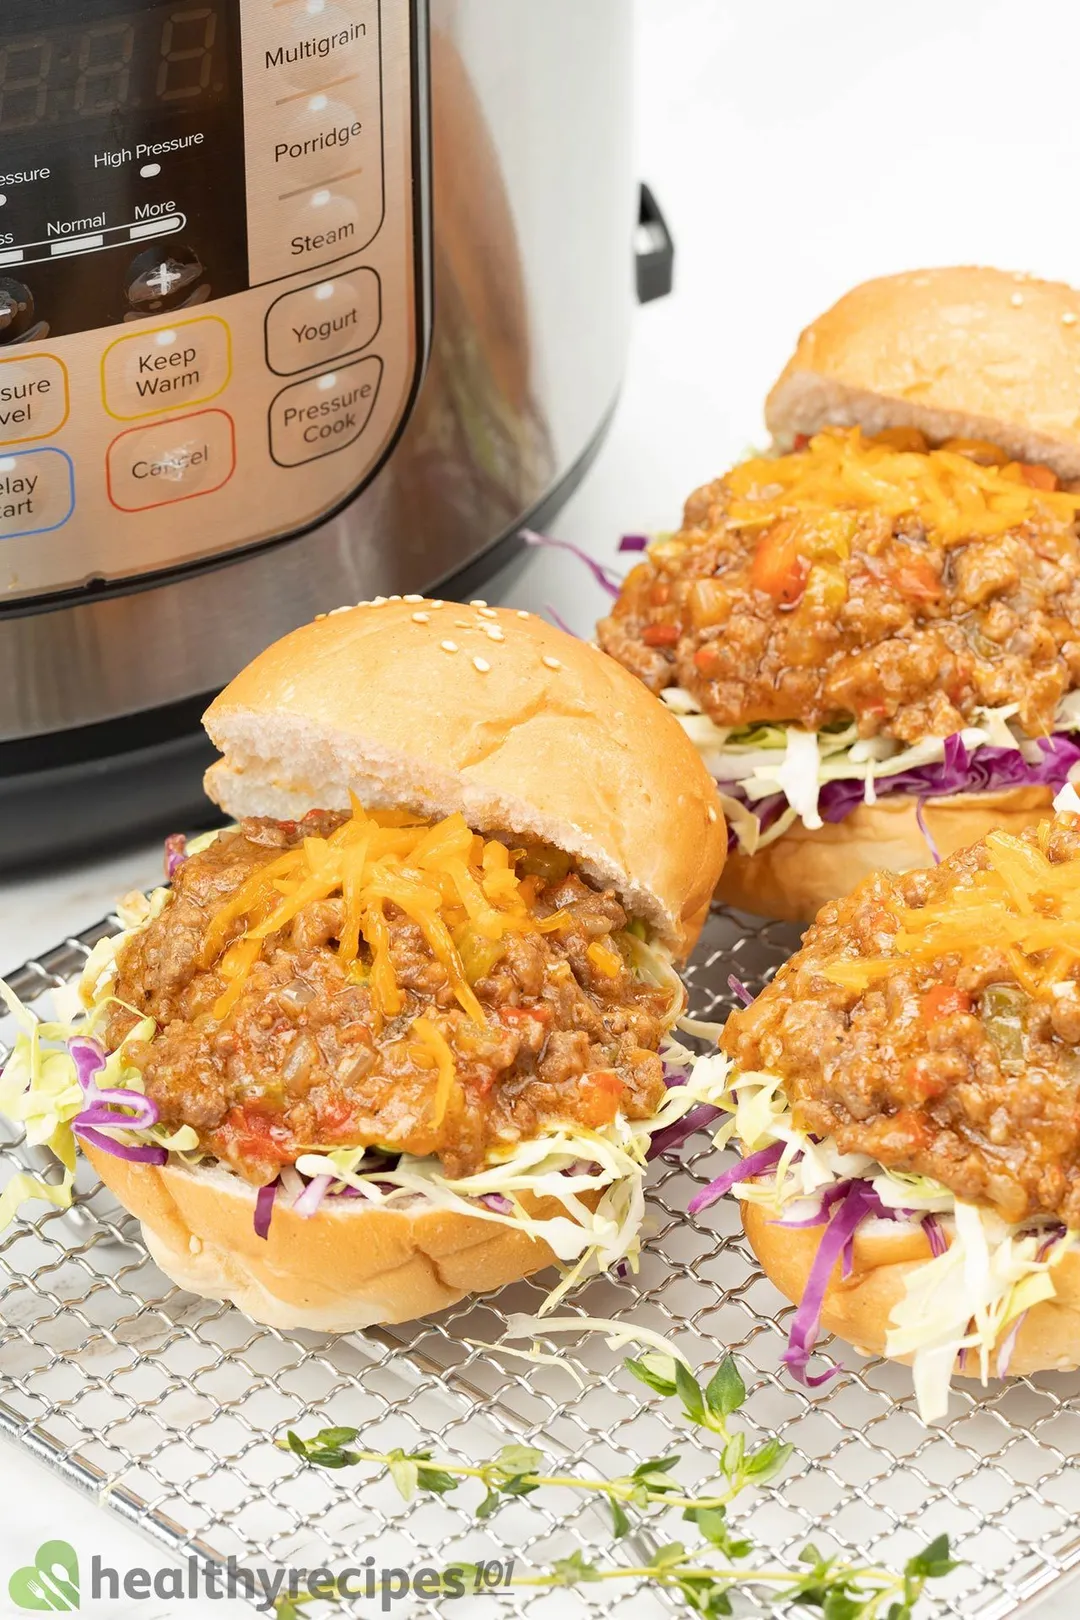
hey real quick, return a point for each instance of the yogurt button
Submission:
(313, 326)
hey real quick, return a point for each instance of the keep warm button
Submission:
(314, 418)
(171, 461)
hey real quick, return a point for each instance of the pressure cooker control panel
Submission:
(210, 274)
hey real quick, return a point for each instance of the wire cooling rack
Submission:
(164, 1407)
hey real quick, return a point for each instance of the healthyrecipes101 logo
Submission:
(50, 1582)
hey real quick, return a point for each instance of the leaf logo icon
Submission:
(51, 1582)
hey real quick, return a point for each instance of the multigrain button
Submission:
(33, 397)
(166, 369)
(316, 325)
(171, 461)
(37, 492)
(314, 418)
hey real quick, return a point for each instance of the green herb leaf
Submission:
(488, 1506)
(767, 1461)
(520, 1460)
(731, 1460)
(658, 1372)
(569, 1571)
(620, 1522)
(933, 1562)
(689, 1392)
(656, 1465)
(404, 1473)
(726, 1391)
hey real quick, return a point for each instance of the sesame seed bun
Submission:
(858, 1308)
(437, 708)
(793, 877)
(963, 352)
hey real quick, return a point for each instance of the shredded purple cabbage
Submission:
(843, 1213)
(739, 990)
(175, 853)
(755, 1164)
(934, 1235)
(605, 577)
(634, 542)
(498, 1202)
(674, 1135)
(982, 770)
(312, 1196)
(102, 1103)
(141, 1153)
(264, 1208)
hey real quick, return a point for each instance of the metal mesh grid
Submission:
(164, 1406)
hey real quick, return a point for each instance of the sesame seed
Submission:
(393, 598)
(552, 663)
(482, 665)
(711, 813)
(437, 604)
(319, 616)
(462, 624)
(344, 609)
(1068, 319)
(377, 601)
(412, 597)
(494, 632)
(1016, 300)
(521, 613)
(448, 646)
(487, 613)
(421, 618)
(479, 602)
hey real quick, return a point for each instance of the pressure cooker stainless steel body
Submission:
(300, 301)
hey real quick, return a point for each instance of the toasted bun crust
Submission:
(791, 879)
(858, 1309)
(348, 1267)
(417, 704)
(960, 353)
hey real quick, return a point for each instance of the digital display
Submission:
(162, 58)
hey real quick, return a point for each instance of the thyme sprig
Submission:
(841, 1591)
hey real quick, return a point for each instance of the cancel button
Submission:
(171, 461)
(314, 418)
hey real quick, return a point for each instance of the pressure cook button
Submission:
(314, 418)
(37, 492)
(171, 461)
(33, 397)
(166, 369)
(316, 325)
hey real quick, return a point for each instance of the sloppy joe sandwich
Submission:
(406, 1029)
(872, 632)
(906, 1096)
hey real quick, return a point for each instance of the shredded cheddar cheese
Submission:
(953, 496)
(1022, 904)
(460, 889)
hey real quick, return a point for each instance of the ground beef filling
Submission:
(304, 1058)
(946, 1068)
(892, 626)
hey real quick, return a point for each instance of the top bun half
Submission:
(436, 708)
(960, 353)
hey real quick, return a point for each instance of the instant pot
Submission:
(301, 301)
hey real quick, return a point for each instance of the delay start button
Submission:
(324, 414)
(171, 461)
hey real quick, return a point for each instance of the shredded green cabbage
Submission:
(958, 1305)
(769, 759)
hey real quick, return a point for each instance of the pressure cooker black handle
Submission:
(654, 250)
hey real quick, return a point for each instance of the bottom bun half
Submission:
(791, 879)
(350, 1266)
(857, 1308)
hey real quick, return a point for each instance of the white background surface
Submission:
(795, 149)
